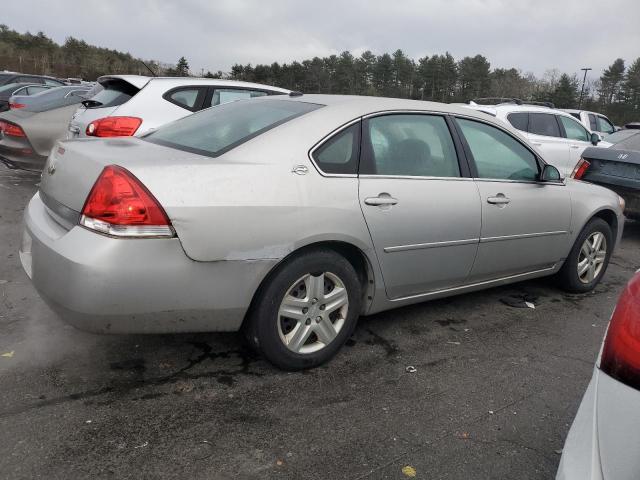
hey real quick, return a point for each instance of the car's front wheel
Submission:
(588, 260)
(306, 311)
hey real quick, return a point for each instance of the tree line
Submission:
(438, 77)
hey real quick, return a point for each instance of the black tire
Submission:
(261, 328)
(567, 277)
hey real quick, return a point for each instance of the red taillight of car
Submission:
(120, 205)
(11, 129)
(621, 351)
(581, 167)
(113, 127)
(16, 105)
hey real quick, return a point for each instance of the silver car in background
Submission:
(604, 439)
(289, 217)
(130, 105)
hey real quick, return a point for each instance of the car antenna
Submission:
(148, 68)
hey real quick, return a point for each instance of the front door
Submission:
(525, 223)
(577, 137)
(422, 211)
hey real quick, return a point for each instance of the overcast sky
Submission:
(532, 35)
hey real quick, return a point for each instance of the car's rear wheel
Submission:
(306, 311)
(588, 260)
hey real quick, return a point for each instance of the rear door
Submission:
(525, 223)
(421, 207)
(546, 137)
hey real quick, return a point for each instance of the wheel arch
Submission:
(610, 217)
(353, 254)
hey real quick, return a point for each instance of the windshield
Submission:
(217, 130)
(620, 135)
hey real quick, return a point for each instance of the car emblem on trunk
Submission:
(52, 169)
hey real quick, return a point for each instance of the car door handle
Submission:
(498, 200)
(381, 200)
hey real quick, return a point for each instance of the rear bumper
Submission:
(604, 439)
(22, 158)
(109, 285)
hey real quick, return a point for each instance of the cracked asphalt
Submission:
(495, 389)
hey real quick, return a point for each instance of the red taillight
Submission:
(11, 129)
(113, 127)
(16, 105)
(120, 205)
(621, 352)
(581, 167)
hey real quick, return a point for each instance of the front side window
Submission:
(339, 154)
(498, 155)
(573, 129)
(226, 95)
(519, 120)
(409, 145)
(215, 131)
(544, 124)
(604, 125)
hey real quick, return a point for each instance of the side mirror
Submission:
(550, 174)
(595, 138)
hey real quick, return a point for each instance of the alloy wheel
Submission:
(312, 312)
(592, 256)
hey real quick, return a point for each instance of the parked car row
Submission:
(288, 216)
(119, 105)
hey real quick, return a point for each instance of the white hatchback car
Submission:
(129, 105)
(557, 135)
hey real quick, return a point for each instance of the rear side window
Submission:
(573, 129)
(519, 120)
(33, 90)
(115, 92)
(186, 97)
(226, 95)
(592, 122)
(339, 154)
(409, 145)
(544, 124)
(215, 131)
(498, 155)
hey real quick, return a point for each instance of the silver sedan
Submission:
(289, 217)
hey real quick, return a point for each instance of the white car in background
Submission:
(557, 135)
(129, 105)
(596, 122)
(604, 439)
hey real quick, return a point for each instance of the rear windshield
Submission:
(630, 142)
(217, 130)
(115, 92)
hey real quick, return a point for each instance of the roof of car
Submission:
(363, 105)
(140, 81)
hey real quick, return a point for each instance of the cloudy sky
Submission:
(532, 35)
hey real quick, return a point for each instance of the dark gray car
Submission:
(28, 133)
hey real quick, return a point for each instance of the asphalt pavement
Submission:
(495, 387)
